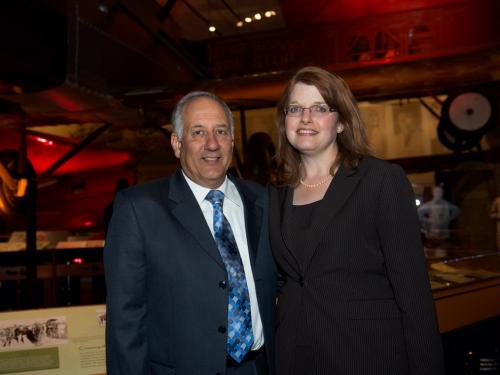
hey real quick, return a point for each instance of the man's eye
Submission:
(221, 132)
(198, 133)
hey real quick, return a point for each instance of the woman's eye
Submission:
(319, 109)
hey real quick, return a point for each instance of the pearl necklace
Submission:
(312, 186)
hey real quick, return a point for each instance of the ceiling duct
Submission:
(70, 57)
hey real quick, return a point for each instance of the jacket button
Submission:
(221, 329)
(223, 284)
(301, 281)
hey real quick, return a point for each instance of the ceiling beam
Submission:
(199, 15)
(165, 10)
(168, 42)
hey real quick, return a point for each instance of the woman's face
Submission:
(311, 133)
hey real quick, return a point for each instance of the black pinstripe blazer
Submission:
(361, 292)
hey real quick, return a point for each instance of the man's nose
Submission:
(212, 143)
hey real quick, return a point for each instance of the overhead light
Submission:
(102, 6)
(212, 28)
(44, 141)
(257, 17)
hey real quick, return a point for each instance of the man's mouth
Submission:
(211, 158)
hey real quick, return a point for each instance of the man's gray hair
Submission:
(177, 120)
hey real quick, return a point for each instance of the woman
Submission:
(345, 233)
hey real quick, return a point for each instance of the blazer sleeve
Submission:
(399, 235)
(125, 271)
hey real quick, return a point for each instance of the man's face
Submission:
(206, 148)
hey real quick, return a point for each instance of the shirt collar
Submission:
(227, 187)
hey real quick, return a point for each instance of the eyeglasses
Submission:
(317, 110)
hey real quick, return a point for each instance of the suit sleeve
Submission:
(399, 234)
(124, 261)
(274, 211)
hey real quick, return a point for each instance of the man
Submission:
(190, 277)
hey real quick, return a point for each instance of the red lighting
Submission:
(89, 223)
(65, 101)
(77, 260)
(44, 141)
(44, 151)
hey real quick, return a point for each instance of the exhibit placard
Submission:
(55, 341)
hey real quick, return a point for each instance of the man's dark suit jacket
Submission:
(361, 295)
(166, 296)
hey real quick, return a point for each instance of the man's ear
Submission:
(176, 145)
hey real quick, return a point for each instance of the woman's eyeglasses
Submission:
(317, 110)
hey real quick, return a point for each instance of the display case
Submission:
(465, 285)
(69, 271)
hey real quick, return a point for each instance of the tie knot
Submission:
(216, 197)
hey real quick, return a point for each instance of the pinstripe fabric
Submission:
(362, 283)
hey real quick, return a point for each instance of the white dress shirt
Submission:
(234, 212)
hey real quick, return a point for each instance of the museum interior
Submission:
(87, 89)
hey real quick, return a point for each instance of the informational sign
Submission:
(56, 341)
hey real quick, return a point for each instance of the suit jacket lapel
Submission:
(182, 204)
(286, 201)
(253, 219)
(335, 198)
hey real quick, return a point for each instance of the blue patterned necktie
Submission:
(239, 335)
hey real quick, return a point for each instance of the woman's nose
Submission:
(306, 115)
